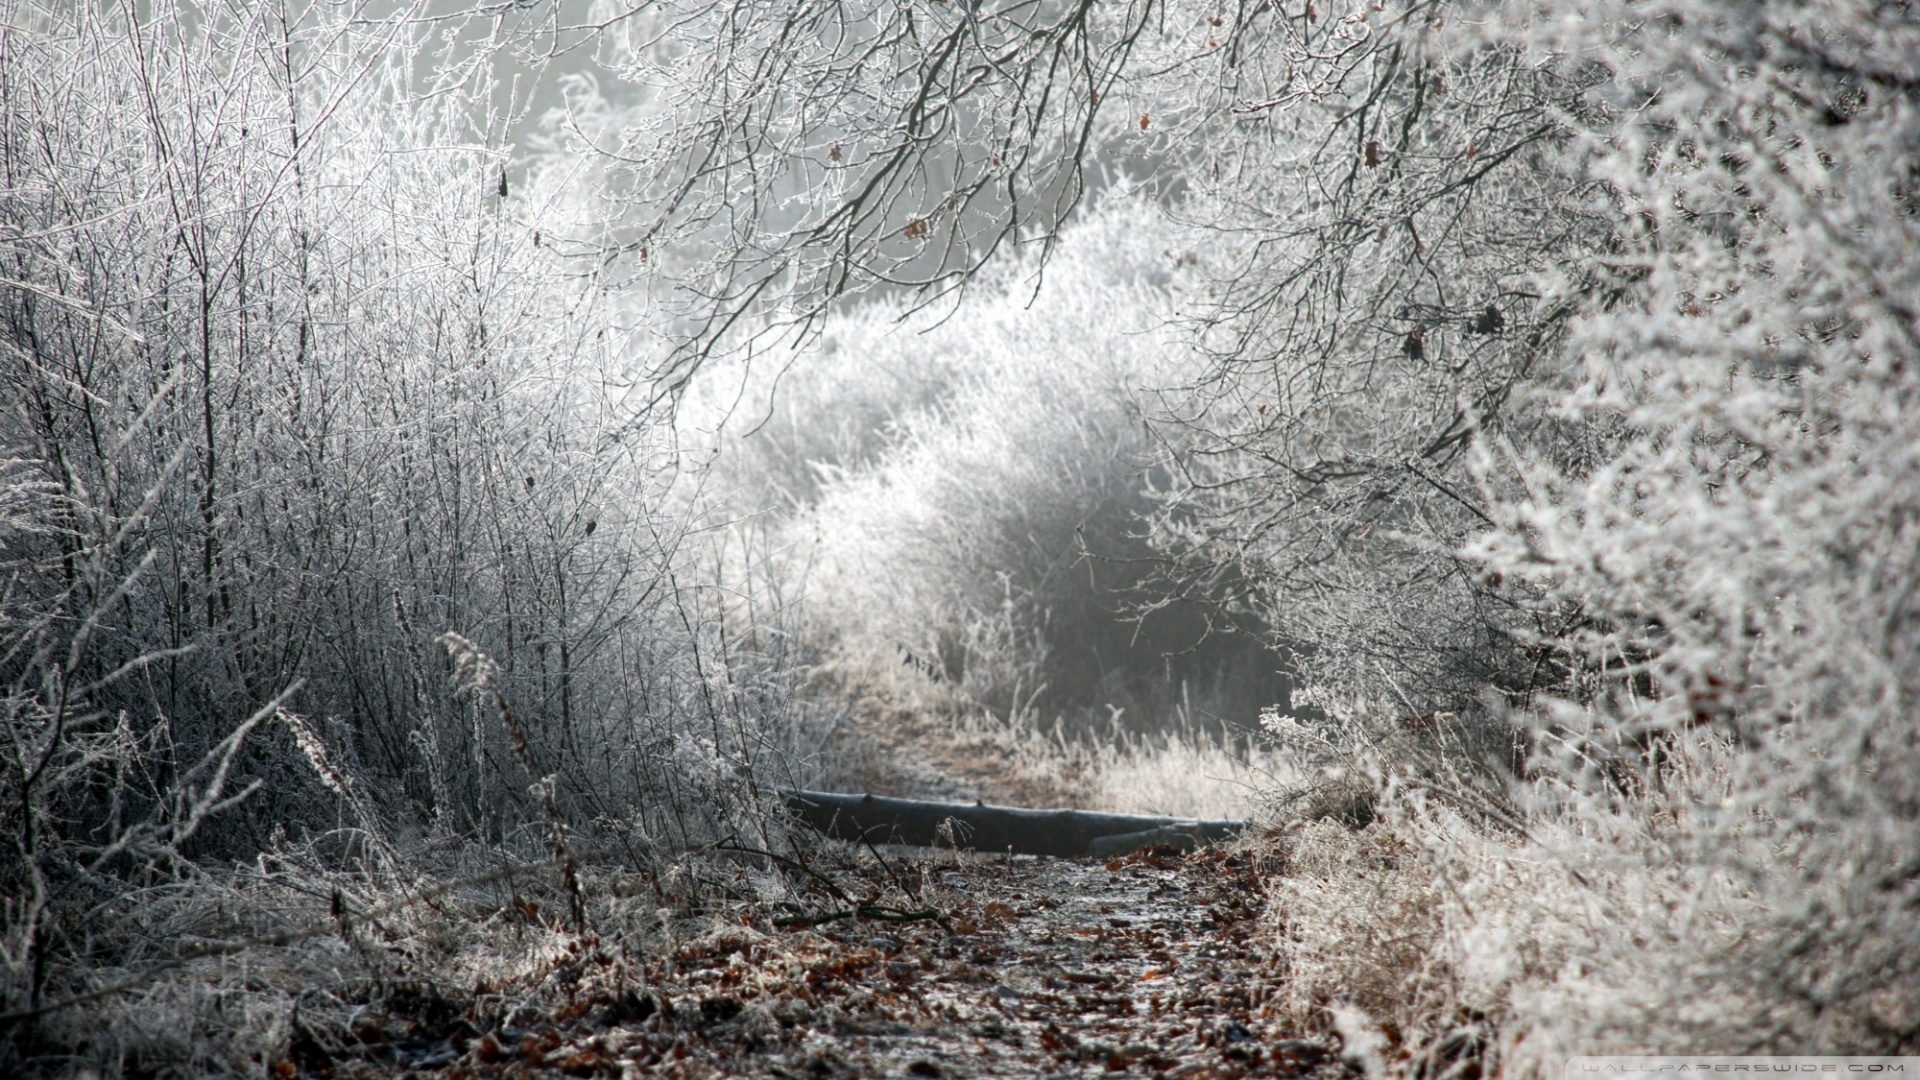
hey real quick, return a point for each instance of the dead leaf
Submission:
(586, 1063)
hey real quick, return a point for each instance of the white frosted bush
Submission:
(1735, 779)
(291, 383)
(962, 490)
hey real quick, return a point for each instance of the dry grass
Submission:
(911, 736)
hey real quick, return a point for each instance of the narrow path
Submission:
(1073, 968)
(1150, 965)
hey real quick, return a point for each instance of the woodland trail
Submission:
(902, 962)
(1149, 965)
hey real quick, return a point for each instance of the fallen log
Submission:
(977, 826)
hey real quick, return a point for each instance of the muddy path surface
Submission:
(1149, 965)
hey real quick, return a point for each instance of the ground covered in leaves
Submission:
(1151, 965)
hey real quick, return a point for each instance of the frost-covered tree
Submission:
(1385, 179)
(1368, 191)
(290, 386)
(778, 156)
(1736, 569)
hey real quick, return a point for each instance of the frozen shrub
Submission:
(1715, 844)
(289, 386)
(965, 492)
(1737, 570)
(1385, 180)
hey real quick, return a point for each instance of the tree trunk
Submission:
(981, 827)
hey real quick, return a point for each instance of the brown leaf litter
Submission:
(1151, 965)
